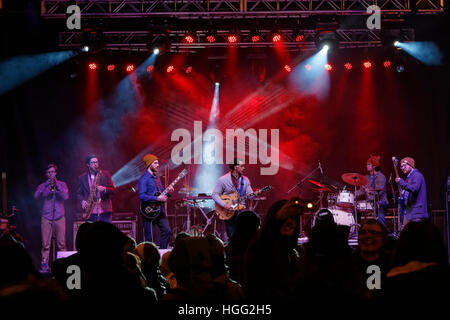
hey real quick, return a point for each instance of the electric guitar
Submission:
(150, 209)
(233, 200)
(401, 193)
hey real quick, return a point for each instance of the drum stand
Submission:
(208, 220)
(355, 210)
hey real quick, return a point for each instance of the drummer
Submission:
(376, 188)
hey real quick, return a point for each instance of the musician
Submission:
(148, 185)
(232, 182)
(414, 191)
(103, 207)
(53, 192)
(376, 188)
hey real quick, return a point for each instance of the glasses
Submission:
(372, 232)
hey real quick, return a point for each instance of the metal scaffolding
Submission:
(220, 9)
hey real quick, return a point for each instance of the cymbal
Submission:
(321, 186)
(355, 178)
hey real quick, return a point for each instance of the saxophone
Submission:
(92, 200)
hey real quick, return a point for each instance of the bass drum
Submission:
(341, 217)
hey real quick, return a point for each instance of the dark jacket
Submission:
(105, 181)
(416, 202)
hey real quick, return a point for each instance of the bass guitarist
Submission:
(414, 189)
(148, 185)
(232, 182)
(102, 208)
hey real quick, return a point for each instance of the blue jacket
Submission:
(147, 187)
(416, 201)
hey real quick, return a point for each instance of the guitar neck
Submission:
(165, 192)
(397, 176)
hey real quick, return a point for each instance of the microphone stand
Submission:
(299, 184)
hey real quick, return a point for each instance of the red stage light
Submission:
(211, 38)
(92, 66)
(276, 37)
(188, 69)
(188, 38)
(308, 67)
(150, 68)
(256, 38)
(287, 68)
(367, 64)
(387, 64)
(232, 38)
(130, 67)
(328, 67)
(170, 69)
(299, 38)
(348, 66)
(111, 67)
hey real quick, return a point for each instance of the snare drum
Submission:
(364, 206)
(345, 199)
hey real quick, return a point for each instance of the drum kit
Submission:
(342, 202)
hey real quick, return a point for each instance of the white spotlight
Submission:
(85, 49)
(156, 51)
(326, 47)
(217, 84)
(396, 43)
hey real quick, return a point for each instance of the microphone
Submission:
(320, 167)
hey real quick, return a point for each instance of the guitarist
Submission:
(148, 185)
(232, 182)
(414, 189)
(105, 188)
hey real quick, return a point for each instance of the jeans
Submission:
(383, 206)
(164, 228)
(230, 225)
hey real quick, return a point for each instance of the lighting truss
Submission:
(220, 9)
(138, 40)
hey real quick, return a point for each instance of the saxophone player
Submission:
(94, 190)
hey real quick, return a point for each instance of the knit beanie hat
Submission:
(149, 159)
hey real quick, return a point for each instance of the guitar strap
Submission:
(157, 184)
(241, 189)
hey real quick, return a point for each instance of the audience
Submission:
(258, 264)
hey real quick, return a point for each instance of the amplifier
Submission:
(128, 227)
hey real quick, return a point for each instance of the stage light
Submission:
(232, 38)
(130, 68)
(396, 43)
(256, 38)
(189, 38)
(309, 205)
(150, 68)
(85, 49)
(326, 40)
(92, 66)
(387, 64)
(299, 37)
(211, 38)
(156, 51)
(276, 37)
(328, 67)
(287, 68)
(188, 70)
(400, 68)
(326, 47)
(217, 84)
(367, 64)
(111, 67)
(170, 69)
(348, 66)
(308, 67)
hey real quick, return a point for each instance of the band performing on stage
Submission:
(363, 197)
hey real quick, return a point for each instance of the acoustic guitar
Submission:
(233, 200)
